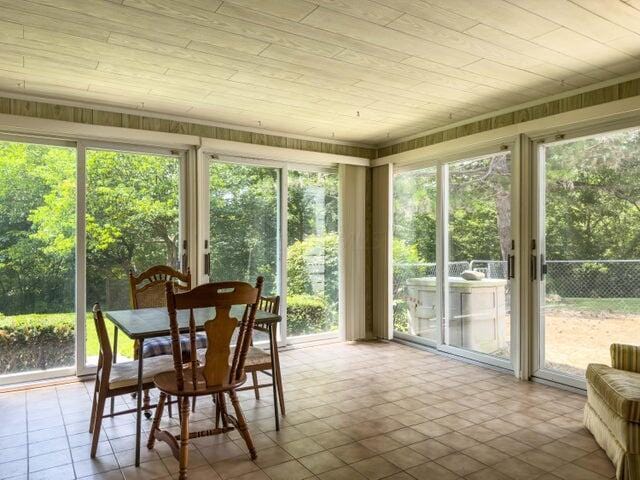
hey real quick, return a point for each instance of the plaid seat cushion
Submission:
(619, 389)
(154, 347)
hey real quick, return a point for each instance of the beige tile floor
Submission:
(354, 411)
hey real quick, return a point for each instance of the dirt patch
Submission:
(576, 338)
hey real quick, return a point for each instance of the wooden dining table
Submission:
(145, 323)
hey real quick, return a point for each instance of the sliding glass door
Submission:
(459, 214)
(244, 224)
(37, 260)
(132, 223)
(479, 252)
(587, 261)
(279, 221)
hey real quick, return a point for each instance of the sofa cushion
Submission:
(626, 433)
(618, 388)
(625, 357)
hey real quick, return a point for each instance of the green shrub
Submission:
(307, 314)
(301, 258)
(36, 342)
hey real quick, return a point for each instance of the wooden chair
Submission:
(259, 360)
(222, 372)
(113, 379)
(147, 290)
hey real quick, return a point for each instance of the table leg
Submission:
(272, 344)
(115, 359)
(139, 406)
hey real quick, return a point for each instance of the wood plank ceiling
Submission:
(365, 71)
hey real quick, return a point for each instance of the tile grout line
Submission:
(66, 433)
(26, 418)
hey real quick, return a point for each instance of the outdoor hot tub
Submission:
(477, 312)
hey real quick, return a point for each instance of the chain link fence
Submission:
(586, 279)
(593, 278)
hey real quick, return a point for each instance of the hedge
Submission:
(36, 342)
(307, 314)
(47, 340)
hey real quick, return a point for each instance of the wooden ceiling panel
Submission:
(294, 10)
(364, 9)
(432, 13)
(378, 35)
(367, 71)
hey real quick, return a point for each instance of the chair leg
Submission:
(277, 376)
(147, 404)
(216, 400)
(156, 420)
(242, 424)
(223, 410)
(256, 390)
(102, 398)
(94, 406)
(193, 404)
(184, 437)
(169, 406)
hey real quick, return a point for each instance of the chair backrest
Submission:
(270, 304)
(106, 353)
(222, 296)
(147, 290)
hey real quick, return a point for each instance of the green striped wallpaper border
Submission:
(619, 91)
(92, 116)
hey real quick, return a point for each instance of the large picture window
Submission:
(37, 257)
(415, 297)
(312, 253)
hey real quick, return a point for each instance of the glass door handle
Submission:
(534, 267)
(207, 263)
(511, 266)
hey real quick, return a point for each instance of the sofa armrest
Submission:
(625, 357)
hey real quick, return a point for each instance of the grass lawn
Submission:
(611, 305)
(125, 345)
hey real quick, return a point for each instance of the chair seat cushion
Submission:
(255, 357)
(619, 389)
(125, 374)
(153, 347)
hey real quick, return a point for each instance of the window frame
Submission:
(206, 157)
(82, 368)
(39, 375)
(538, 143)
(442, 164)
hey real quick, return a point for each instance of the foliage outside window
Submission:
(312, 253)
(37, 257)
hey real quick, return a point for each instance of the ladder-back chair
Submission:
(222, 373)
(113, 379)
(147, 290)
(259, 360)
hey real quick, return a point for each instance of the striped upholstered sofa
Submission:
(612, 413)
